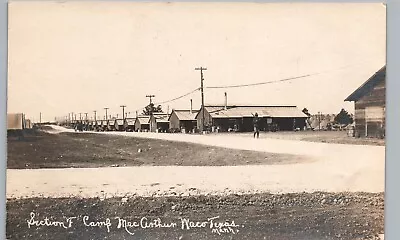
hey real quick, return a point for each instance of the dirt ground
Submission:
(339, 137)
(294, 215)
(64, 150)
(300, 216)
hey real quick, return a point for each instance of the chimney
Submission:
(191, 106)
(136, 113)
(226, 101)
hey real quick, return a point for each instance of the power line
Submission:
(182, 96)
(260, 83)
(285, 79)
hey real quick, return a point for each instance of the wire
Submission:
(285, 79)
(184, 95)
(261, 83)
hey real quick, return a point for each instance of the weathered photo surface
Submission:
(196, 120)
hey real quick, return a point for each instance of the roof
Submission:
(250, 110)
(15, 121)
(368, 86)
(120, 121)
(159, 113)
(111, 122)
(143, 119)
(161, 117)
(185, 115)
(130, 121)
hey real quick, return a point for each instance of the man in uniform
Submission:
(256, 123)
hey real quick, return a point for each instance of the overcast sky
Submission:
(84, 56)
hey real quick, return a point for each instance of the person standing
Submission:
(256, 123)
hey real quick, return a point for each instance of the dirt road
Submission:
(337, 168)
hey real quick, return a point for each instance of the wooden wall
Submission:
(174, 121)
(207, 119)
(370, 113)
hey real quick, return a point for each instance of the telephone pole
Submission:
(202, 93)
(150, 97)
(95, 115)
(106, 108)
(40, 117)
(86, 116)
(123, 112)
(150, 105)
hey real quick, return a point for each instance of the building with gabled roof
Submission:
(370, 106)
(130, 124)
(159, 122)
(240, 117)
(183, 120)
(119, 125)
(111, 125)
(142, 123)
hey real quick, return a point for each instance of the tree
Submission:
(151, 108)
(343, 117)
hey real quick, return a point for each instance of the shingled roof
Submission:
(368, 86)
(238, 111)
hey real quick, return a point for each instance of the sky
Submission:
(83, 56)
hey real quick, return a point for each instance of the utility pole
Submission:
(202, 93)
(106, 108)
(40, 117)
(86, 116)
(151, 107)
(95, 115)
(80, 116)
(123, 112)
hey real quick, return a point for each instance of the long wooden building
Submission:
(369, 101)
(240, 118)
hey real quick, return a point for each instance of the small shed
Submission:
(130, 124)
(370, 105)
(99, 125)
(111, 125)
(142, 123)
(119, 125)
(182, 120)
(159, 122)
